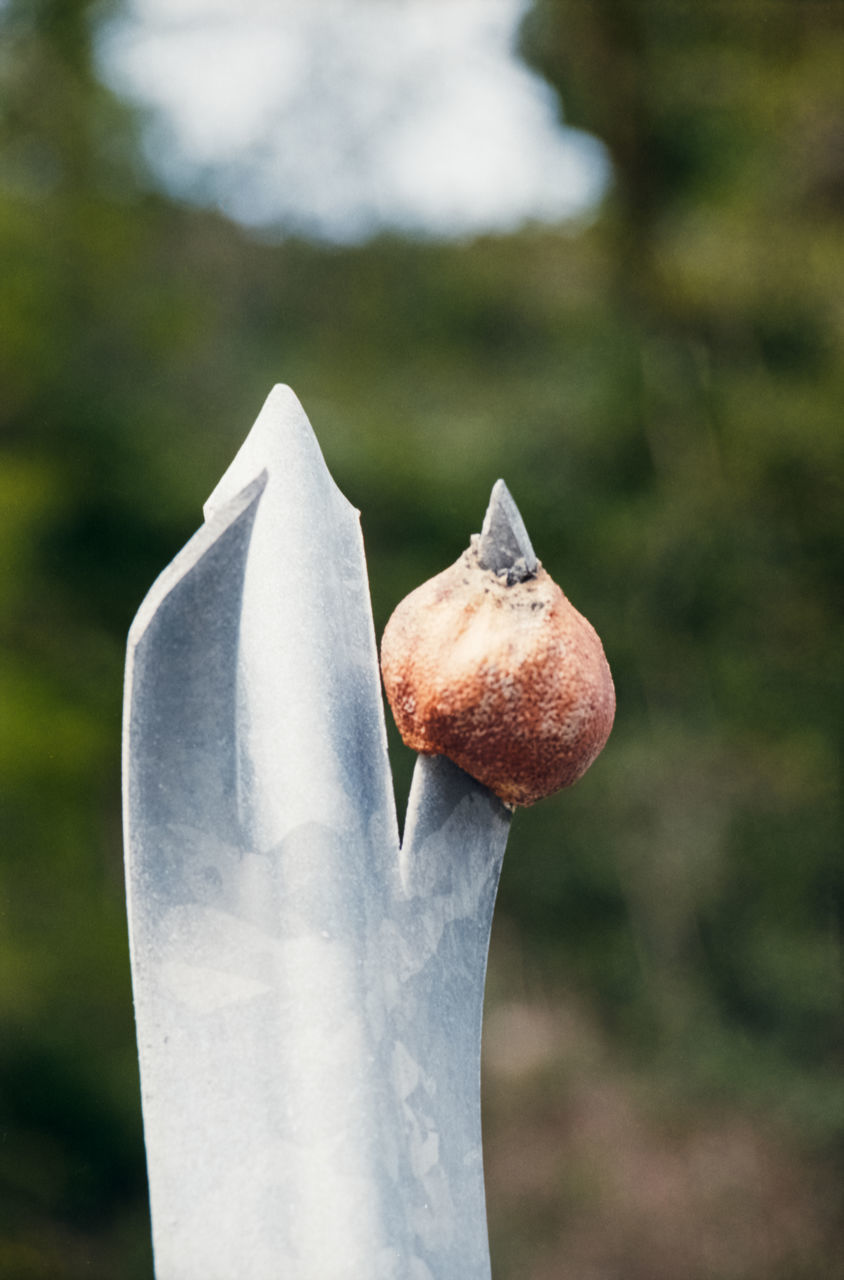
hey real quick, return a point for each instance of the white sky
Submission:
(339, 118)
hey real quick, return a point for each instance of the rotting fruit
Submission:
(509, 681)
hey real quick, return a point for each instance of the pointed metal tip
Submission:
(504, 545)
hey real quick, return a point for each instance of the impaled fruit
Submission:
(498, 670)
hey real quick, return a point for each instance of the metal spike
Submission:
(308, 995)
(504, 545)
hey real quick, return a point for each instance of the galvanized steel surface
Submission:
(308, 995)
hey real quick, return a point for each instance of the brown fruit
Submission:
(509, 682)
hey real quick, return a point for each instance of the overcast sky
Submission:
(339, 118)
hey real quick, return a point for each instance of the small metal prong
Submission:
(504, 545)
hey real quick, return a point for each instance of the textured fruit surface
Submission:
(509, 682)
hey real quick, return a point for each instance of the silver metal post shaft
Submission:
(308, 995)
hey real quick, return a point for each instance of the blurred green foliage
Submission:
(662, 390)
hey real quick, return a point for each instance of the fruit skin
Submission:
(509, 682)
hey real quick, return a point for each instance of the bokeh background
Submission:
(656, 371)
